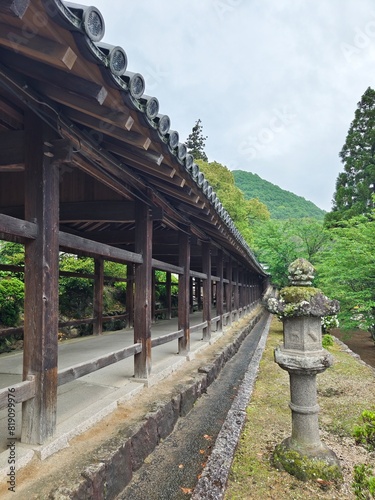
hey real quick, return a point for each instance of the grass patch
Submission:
(344, 391)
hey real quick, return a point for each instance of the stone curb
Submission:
(345, 348)
(125, 454)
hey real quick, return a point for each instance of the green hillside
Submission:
(281, 204)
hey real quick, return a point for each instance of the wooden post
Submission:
(247, 290)
(98, 296)
(130, 294)
(143, 286)
(191, 295)
(229, 291)
(153, 296)
(236, 291)
(198, 293)
(41, 286)
(206, 264)
(220, 289)
(168, 287)
(183, 293)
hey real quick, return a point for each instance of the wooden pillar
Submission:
(168, 287)
(153, 296)
(253, 291)
(183, 293)
(41, 286)
(98, 296)
(229, 290)
(143, 286)
(206, 264)
(198, 289)
(240, 290)
(249, 290)
(191, 295)
(220, 289)
(130, 294)
(236, 291)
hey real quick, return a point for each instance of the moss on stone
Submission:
(295, 294)
(305, 468)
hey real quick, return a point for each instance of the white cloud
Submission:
(239, 64)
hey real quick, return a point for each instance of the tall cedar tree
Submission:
(196, 142)
(355, 186)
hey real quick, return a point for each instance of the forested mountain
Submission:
(281, 204)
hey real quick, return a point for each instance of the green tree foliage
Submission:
(12, 253)
(196, 142)
(11, 300)
(281, 204)
(277, 243)
(346, 271)
(355, 186)
(76, 294)
(243, 212)
(11, 284)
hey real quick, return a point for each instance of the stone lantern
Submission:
(301, 308)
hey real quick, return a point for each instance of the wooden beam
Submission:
(154, 167)
(41, 287)
(12, 150)
(94, 93)
(100, 211)
(94, 249)
(105, 115)
(37, 47)
(143, 283)
(165, 266)
(169, 337)
(16, 8)
(183, 293)
(20, 392)
(178, 192)
(10, 114)
(81, 369)
(15, 227)
(195, 274)
(109, 130)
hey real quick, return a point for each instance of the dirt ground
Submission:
(359, 342)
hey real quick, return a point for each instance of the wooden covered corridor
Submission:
(89, 166)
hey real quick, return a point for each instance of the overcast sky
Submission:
(275, 82)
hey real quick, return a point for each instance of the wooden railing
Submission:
(82, 369)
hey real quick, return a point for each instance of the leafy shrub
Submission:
(365, 434)
(327, 341)
(76, 294)
(329, 322)
(363, 482)
(12, 293)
